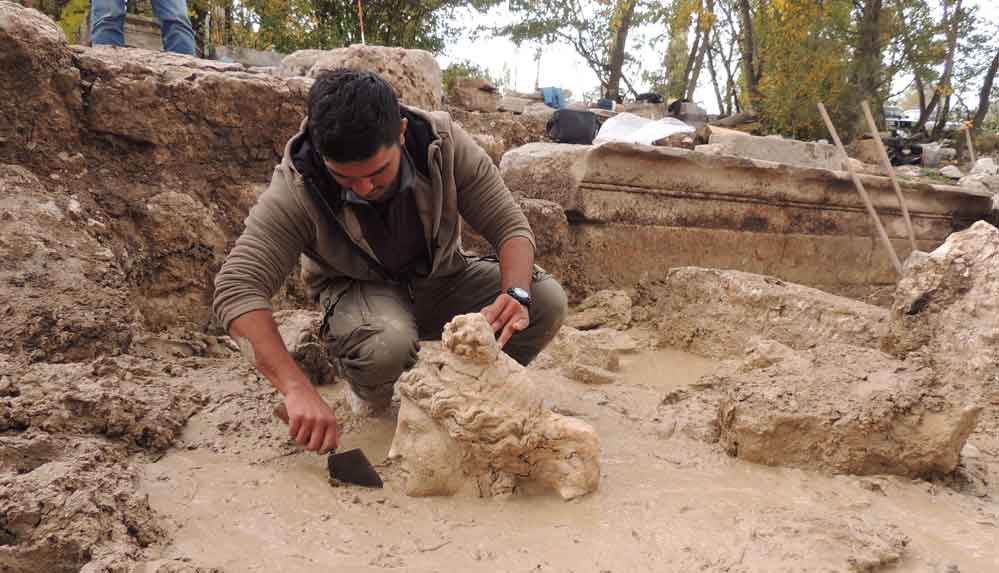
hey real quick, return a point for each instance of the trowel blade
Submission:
(353, 467)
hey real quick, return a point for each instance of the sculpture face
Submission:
(428, 456)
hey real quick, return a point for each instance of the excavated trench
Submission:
(133, 437)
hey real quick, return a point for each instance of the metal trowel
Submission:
(351, 466)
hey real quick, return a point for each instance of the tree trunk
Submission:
(695, 72)
(941, 119)
(676, 59)
(866, 74)
(984, 96)
(748, 69)
(624, 13)
(714, 82)
(944, 83)
(921, 94)
(692, 57)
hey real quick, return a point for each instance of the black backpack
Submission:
(573, 126)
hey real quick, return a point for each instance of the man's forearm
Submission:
(258, 338)
(516, 263)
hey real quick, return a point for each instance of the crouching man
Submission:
(369, 195)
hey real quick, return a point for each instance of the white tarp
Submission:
(631, 128)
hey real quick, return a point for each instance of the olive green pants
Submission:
(374, 328)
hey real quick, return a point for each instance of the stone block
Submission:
(716, 313)
(472, 94)
(672, 207)
(843, 409)
(788, 151)
(607, 308)
(414, 74)
(946, 309)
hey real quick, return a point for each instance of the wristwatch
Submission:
(520, 295)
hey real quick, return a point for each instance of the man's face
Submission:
(370, 178)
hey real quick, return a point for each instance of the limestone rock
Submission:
(985, 166)
(588, 356)
(549, 171)
(934, 153)
(844, 409)
(300, 331)
(492, 145)
(951, 171)
(980, 183)
(414, 74)
(946, 308)
(908, 171)
(211, 117)
(866, 150)
(551, 233)
(470, 418)
(40, 89)
(513, 104)
(539, 110)
(669, 207)
(508, 131)
(715, 313)
(788, 151)
(588, 374)
(182, 237)
(71, 300)
(607, 308)
(473, 94)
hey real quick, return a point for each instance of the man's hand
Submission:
(506, 316)
(310, 420)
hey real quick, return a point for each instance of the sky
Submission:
(560, 66)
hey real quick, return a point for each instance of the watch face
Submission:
(520, 293)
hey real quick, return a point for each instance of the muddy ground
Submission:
(234, 494)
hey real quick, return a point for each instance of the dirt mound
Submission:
(68, 301)
(67, 434)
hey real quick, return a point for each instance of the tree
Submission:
(596, 30)
(985, 95)
(289, 25)
(866, 73)
(951, 19)
(750, 71)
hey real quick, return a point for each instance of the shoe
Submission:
(366, 408)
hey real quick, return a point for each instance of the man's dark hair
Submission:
(352, 114)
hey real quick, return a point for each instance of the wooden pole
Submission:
(360, 20)
(860, 189)
(891, 172)
(971, 144)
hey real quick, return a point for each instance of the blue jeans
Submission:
(107, 23)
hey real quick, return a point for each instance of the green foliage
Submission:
(73, 14)
(467, 69)
(805, 61)
(289, 25)
(588, 26)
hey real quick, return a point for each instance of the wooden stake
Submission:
(360, 19)
(891, 173)
(971, 144)
(860, 189)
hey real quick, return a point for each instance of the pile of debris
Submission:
(817, 381)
